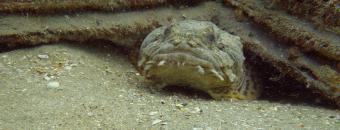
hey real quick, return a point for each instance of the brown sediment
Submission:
(52, 7)
(320, 12)
(327, 89)
(286, 30)
(116, 34)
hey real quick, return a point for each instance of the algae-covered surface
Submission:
(100, 88)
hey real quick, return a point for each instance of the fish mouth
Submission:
(180, 58)
(183, 58)
(181, 62)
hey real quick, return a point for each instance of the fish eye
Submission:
(220, 46)
(167, 31)
(211, 37)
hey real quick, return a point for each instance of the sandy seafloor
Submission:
(100, 89)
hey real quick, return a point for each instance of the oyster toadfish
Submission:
(200, 55)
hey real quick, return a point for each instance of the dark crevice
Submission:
(283, 88)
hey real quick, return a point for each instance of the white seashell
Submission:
(156, 121)
(53, 85)
(161, 63)
(43, 56)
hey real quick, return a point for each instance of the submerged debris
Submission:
(286, 30)
(52, 7)
(323, 13)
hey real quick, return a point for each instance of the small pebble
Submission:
(53, 85)
(275, 108)
(337, 117)
(47, 78)
(73, 65)
(4, 56)
(90, 114)
(196, 110)
(179, 106)
(43, 56)
(68, 67)
(23, 58)
(67, 17)
(184, 16)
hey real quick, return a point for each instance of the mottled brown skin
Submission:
(200, 55)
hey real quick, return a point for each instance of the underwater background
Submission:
(71, 65)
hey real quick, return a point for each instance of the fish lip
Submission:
(181, 56)
(185, 51)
